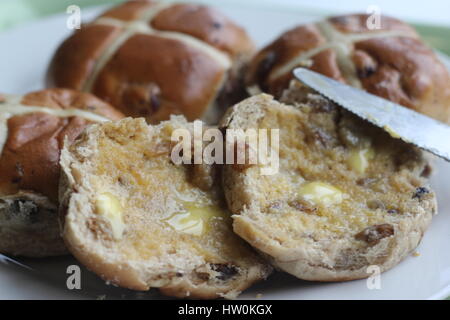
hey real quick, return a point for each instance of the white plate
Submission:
(23, 60)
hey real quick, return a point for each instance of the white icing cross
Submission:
(11, 106)
(143, 26)
(342, 43)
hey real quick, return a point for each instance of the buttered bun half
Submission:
(346, 197)
(140, 221)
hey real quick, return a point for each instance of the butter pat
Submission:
(321, 193)
(194, 219)
(186, 223)
(359, 159)
(109, 207)
(391, 132)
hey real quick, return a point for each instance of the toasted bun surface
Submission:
(152, 59)
(32, 130)
(389, 61)
(346, 196)
(162, 225)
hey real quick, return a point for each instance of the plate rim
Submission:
(443, 293)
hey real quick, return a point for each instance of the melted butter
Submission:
(321, 193)
(391, 132)
(194, 219)
(109, 207)
(359, 159)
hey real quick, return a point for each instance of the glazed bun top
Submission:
(32, 132)
(152, 59)
(388, 60)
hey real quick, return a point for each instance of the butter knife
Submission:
(9, 261)
(400, 122)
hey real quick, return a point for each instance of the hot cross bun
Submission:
(152, 59)
(389, 60)
(32, 132)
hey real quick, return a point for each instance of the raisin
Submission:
(16, 180)
(372, 235)
(226, 271)
(365, 64)
(323, 137)
(142, 99)
(392, 211)
(323, 107)
(203, 276)
(202, 176)
(264, 68)
(426, 172)
(420, 192)
(375, 204)
(366, 72)
(319, 136)
(27, 209)
(155, 103)
(19, 173)
(275, 205)
(302, 206)
(365, 182)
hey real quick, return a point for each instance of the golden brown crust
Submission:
(418, 81)
(29, 164)
(128, 11)
(88, 43)
(390, 61)
(165, 93)
(177, 61)
(280, 52)
(29, 159)
(206, 24)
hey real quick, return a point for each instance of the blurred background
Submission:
(431, 18)
(435, 12)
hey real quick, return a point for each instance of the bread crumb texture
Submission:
(346, 195)
(140, 221)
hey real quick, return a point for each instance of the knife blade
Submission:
(400, 122)
(8, 261)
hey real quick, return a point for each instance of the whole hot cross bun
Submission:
(390, 61)
(152, 59)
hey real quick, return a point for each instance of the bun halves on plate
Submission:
(388, 60)
(139, 221)
(32, 131)
(346, 197)
(152, 59)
